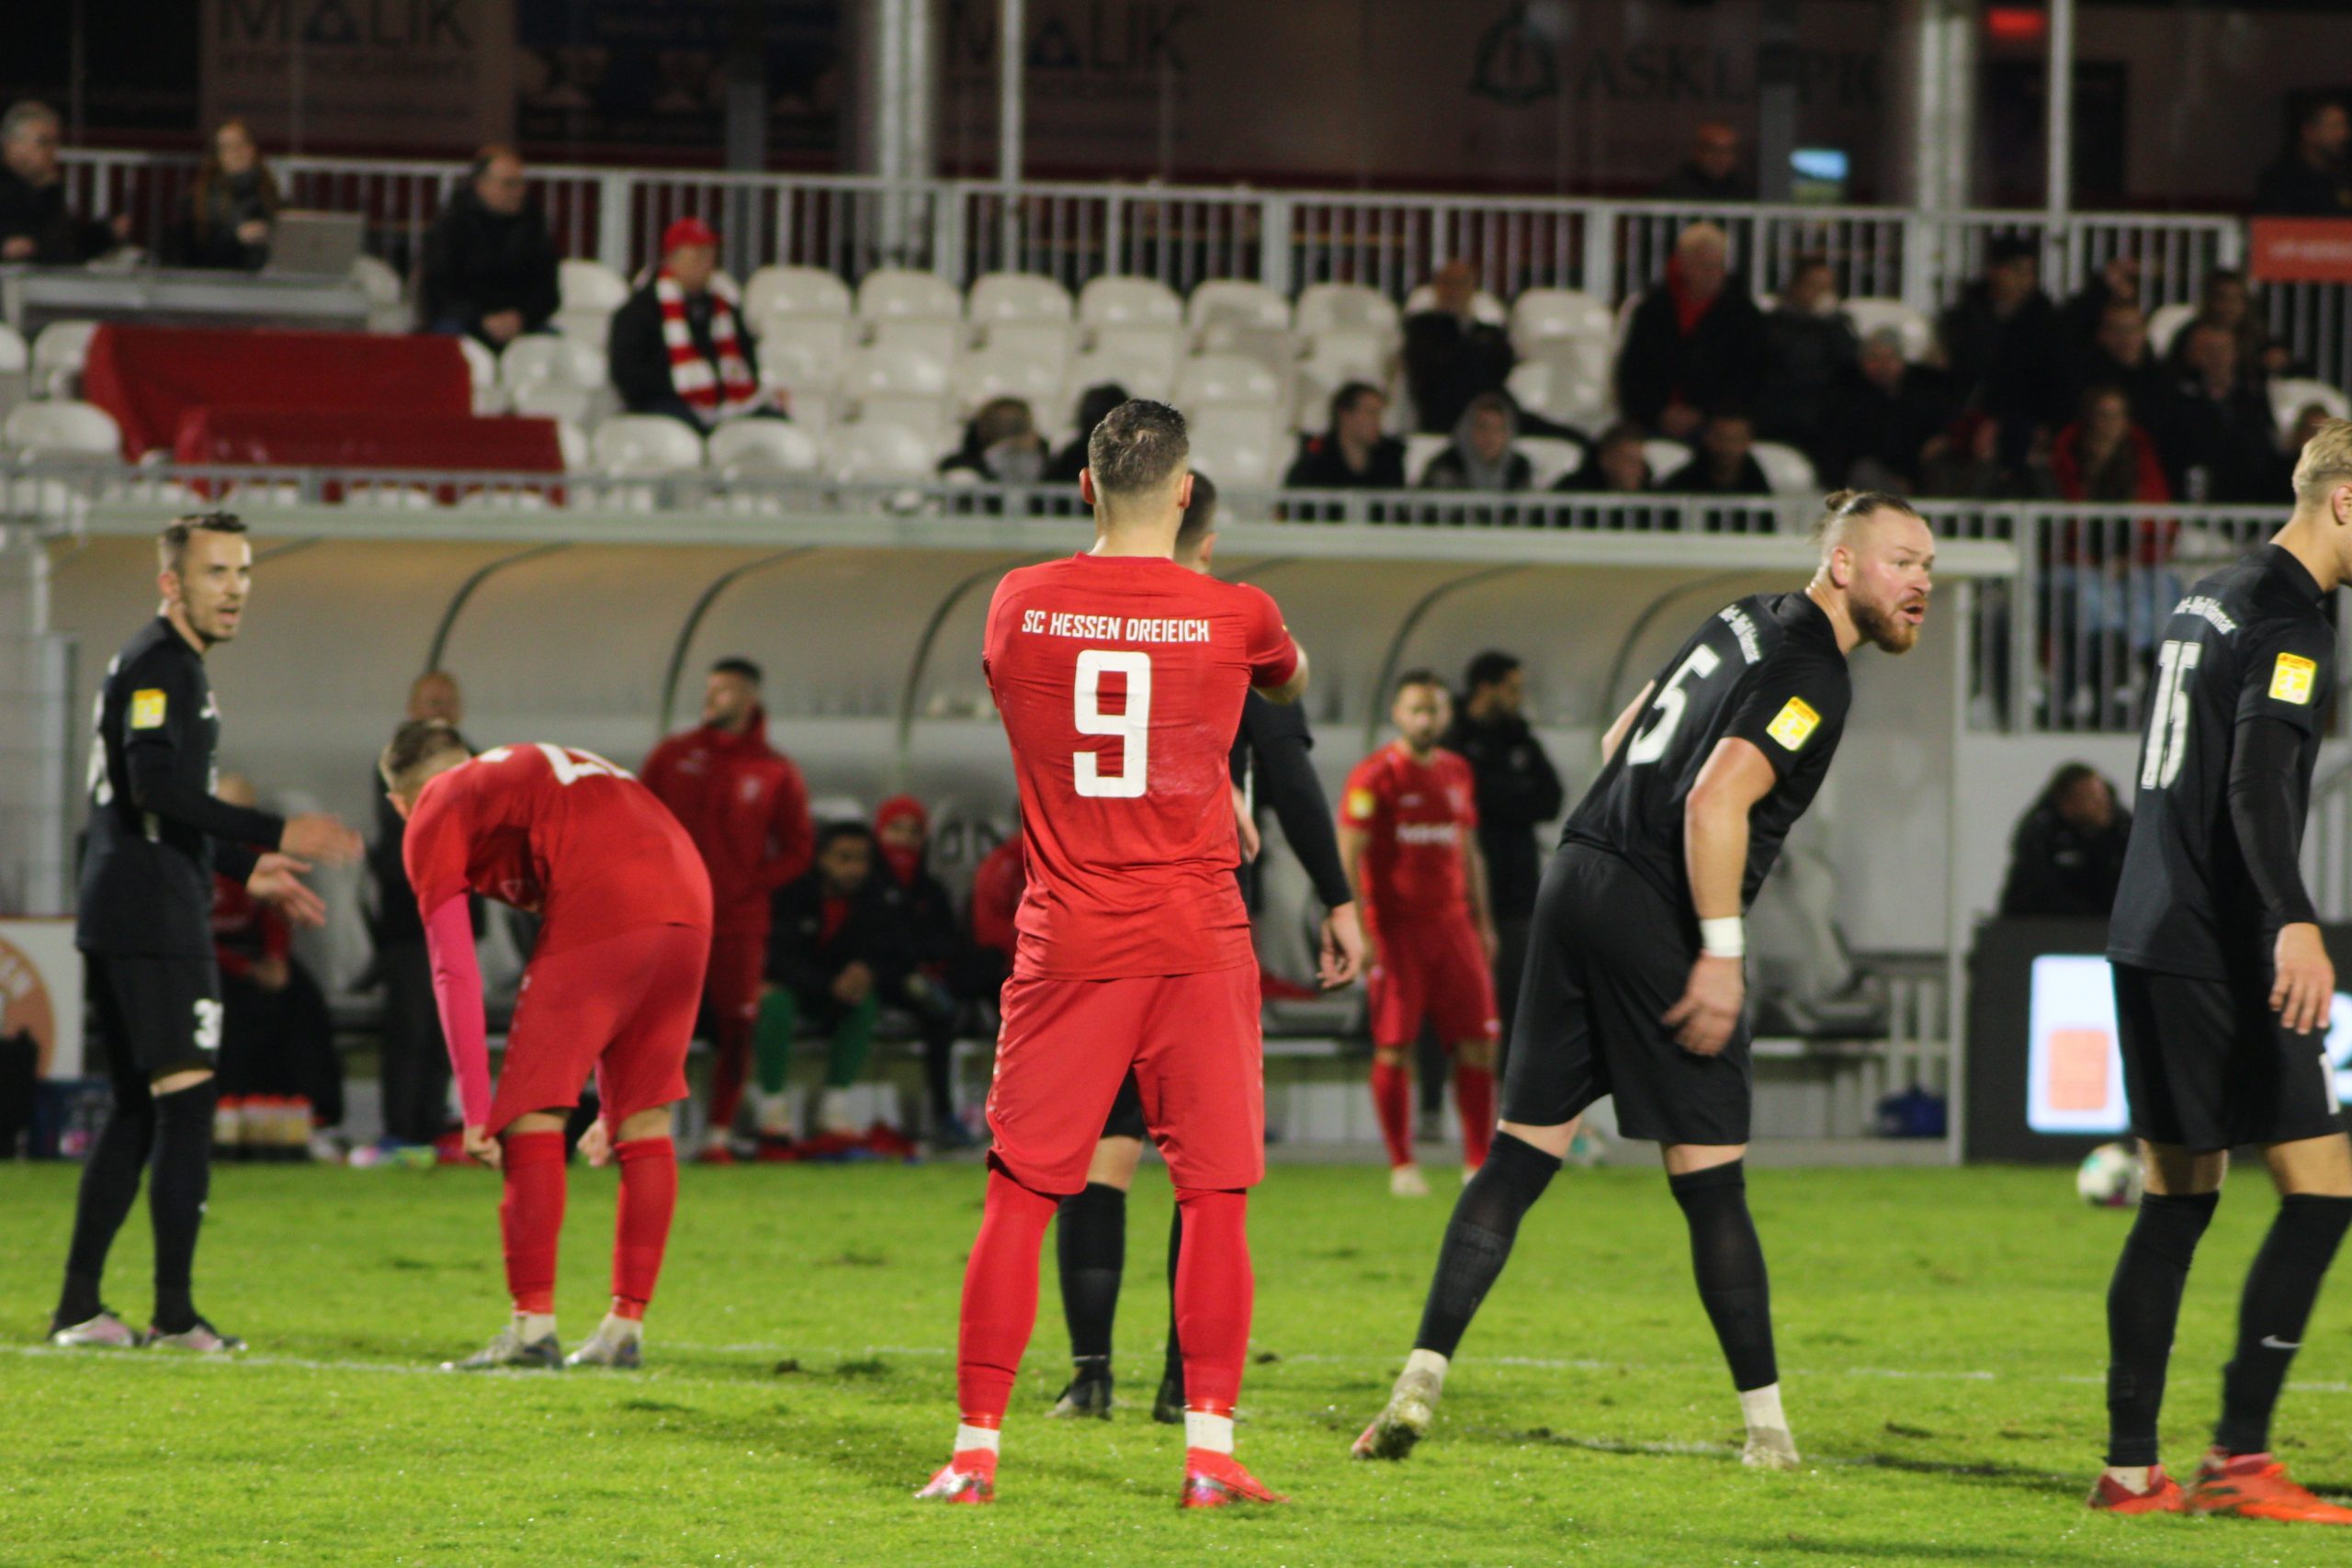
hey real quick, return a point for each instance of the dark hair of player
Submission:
(1489, 669)
(1140, 446)
(737, 666)
(1200, 517)
(171, 544)
(1350, 394)
(1844, 505)
(1416, 677)
(416, 746)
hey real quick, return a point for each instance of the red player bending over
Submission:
(612, 985)
(1120, 677)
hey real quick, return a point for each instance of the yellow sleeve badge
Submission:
(2293, 678)
(1794, 724)
(1362, 805)
(147, 708)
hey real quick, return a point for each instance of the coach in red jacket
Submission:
(747, 810)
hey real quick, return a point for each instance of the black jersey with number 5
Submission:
(2251, 641)
(1766, 670)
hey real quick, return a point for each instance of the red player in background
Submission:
(1120, 676)
(624, 910)
(746, 808)
(1408, 834)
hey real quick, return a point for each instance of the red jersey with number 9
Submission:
(1119, 680)
(563, 834)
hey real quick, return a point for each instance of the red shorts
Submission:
(1194, 1045)
(622, 1007)
(1436, 970)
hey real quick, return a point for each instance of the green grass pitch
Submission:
(1940, 1340)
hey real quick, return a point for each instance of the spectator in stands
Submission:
(1809, 352)
(2067, 854)
(831, 946)
(34, 223)
(1615, 464)
(680, 345)
(2225, 441)
(232, 206)
(746, 807)
(1482, 455)
(2000, 343)
(996, 887)
(1092, 404)
(1355, 452)
(930, 951)
(1964, 464)
(2116, 283)
(412, 1059)
(1712, 173)
(2104, 456)
(1451, 356)
(2310, 179)
(2307, 421)
(1725, 462)
(1882, 418)
(1001, 446)
(2119, 355)
(1696, 341)
(275, 1035)
(489, 263)
(1518, 792)
(2226, 299)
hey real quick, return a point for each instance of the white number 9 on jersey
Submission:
(1133, 726)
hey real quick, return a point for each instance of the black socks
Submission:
(175, 1200)
(2142, 1311)
(2280, 1292)
(1729, 1263)
(1090, 1243)
(109, 1186)
(1479, 1238)
(1172, 1370)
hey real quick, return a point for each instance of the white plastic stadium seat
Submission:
(571, 443)
(902, 291)
(762, 446)
(882, 449)
(817, 346)
(1129, 302)
(583, 285)
(15, 354)
(800, 290)
(999, 297)
(60, 427)
(2165, 324)
(586, 407)
(1224, 378)
(1869, 315)
(1348, 306)
(1549, 458)
(1238, 300)
(2290, 393)
(1049, 342)
(1151, 350)
(1665, 458)
(1144, 375)
(645, 446)
(1486, 307)
(1238, 445)
(1539, 315)
(936, 337)
(894, 372)
(490, 395)
(1560, 391)
(388, 308)
(535, 357)
(1786, 469)
(992, 373)
(1422, 448)
(58, 351)
(1273, 347)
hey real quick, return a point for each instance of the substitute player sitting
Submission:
(1635, 986)
(611, 987)
(1408, 832)
(1120, 676)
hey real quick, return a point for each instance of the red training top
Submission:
(1418, 815)
(746, 808)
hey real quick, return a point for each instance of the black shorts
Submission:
(1126, 1120)
(2206, 1066)
(1606, 956)
(156, 1015)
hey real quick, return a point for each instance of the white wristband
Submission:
(1725, 937)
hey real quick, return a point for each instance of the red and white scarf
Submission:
(713, 398)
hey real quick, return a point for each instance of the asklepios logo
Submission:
(23, 1003)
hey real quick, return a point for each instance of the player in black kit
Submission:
(2221, 997)
(1635, 984)
(145, 928)
(1271, 767)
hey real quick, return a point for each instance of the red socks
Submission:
(731, 1056)
(1474, 1096)
(1392, 1097)
(530, 1216)
(999, 1298)
(1214, 1293)
(649, 1198)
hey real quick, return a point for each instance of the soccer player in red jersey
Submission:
(624, 915)
(1120, 676)
(1409, 833)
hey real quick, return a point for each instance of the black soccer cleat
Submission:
(1168, 1407)
(1089, 1394)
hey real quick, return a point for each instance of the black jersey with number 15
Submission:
(1766, 670)
(2251, 641)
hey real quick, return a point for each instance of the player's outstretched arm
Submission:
(457, 996)
(1625, 724)
(1714, 848)
(278, 879)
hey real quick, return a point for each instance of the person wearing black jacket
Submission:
(1093, 403)
(489, 263)
(1451, 356)
(1271, 768)
(1519, 790)
(835, 943)
(144, 922)
(2067, 854)
(931, 951)
(2001, 343)
(1353, 453)
(2312, 179)
(35, 225)
(1696, 341)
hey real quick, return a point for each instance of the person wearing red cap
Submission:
(930, 944)
(680, 347)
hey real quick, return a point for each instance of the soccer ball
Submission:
(2109, 1176)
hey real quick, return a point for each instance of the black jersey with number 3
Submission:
(1766, 670)
(2251, 641)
